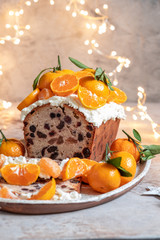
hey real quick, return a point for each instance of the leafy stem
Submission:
(3, 137)
(54, 69)
(116, 162)
(146, 151)
(100, 74)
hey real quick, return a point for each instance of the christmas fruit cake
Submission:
(71, 114)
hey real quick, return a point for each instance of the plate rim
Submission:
(97, 198)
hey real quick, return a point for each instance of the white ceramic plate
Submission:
(89, 198)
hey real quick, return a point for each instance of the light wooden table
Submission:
(131, 216)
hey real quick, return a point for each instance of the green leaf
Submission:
(136, 135)
(78, 63)
(154, 149)
(115, 162)
(124, 172)
(59, 63)
(3, 136)
(37, 78)
(98, 72)
(1, 140)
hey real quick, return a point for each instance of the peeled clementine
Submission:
(97, 87)
(45, 93)
(75, 167)
(104, 177)
(123, 144)
(20, 174)
(49, 167)
(117, 96)
(89, 99)
(128, 163)
(31, 98)
(46, 192)
(64, 85)
(90, 164)
(6, 193)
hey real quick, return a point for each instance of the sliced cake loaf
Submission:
(63, 132)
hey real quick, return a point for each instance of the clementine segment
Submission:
(75, 167)
(64, 85)
(31, 98)
(117, 96)
(6, 193)
(104, 177)
(46, 192)
(49, 167)
(97, 87)
(2, 159)
(84, 74)
(45, 93)
(123, 144)
(12, 147)
(20, 174)
(128, 163)
(90, 164)
(89, 99)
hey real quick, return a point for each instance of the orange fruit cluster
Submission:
(26, 174)
(92, 93)
(102, 177)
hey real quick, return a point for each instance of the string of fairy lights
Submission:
(98, 24)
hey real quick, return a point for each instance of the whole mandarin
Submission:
(104, 177)
(123, 144)
(128, 162)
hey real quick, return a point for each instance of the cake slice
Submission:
(62, 131)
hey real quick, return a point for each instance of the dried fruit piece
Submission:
(31, 98)
(46, 192)
(75, 167)
(64, 85)
(6, 193)
(11, 147)
(45, 93)
(117, 96)
(89, 99)
(49, 167)
(20, 174)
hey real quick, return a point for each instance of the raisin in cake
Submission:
(66, 130)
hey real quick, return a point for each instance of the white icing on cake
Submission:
(96, 116)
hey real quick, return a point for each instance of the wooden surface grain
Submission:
(129, 216)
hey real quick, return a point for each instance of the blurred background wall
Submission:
(54, 31)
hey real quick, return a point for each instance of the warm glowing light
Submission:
(52, 2)
(105, 6)
(96, 45)
(94, 26)
(74, 14)
(1, 73)
(8, 38)
(21, 12)
(68, 8)
(11, 13)
(110, 74)
(27, 27)
(88, 25)
(8, 25)
(113, 53)
(93, 41)
(28, 3)
(82, 2)
(128, 109)
(17, 14)
(112, 28)
(97, 10)
(35, 1)
(2, 41)
(15, 27)
(86, 42)
(90, 51)
(140, 89)
(115, 82)
(16, 41)
(134, 117)
(21, 32)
